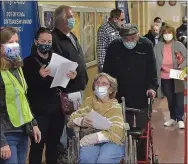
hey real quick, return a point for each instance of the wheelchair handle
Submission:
(150, 100)
(150, 95)
(124, 108)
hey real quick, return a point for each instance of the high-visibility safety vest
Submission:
(15, 95)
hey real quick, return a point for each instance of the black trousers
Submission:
(51, 128)
(175, 100)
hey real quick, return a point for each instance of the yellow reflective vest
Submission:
(15, 95)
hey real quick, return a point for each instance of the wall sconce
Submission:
(172, 3)
(133, 3)
(160, 3)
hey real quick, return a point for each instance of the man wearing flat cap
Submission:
(132, 62)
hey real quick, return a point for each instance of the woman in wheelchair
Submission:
(104, 144)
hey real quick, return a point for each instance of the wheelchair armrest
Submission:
(134, 110)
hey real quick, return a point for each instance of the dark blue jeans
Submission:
(18, 143)
(175, 100)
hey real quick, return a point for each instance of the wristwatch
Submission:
(34, 122)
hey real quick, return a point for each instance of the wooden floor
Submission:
(168, 142)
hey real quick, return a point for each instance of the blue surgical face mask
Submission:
(44, 48)
(130, 45)
(12, 51)
(71, 23)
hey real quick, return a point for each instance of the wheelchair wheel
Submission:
(62, 158)
(73, 151)
(134, 151)
(130, 149)
(156, 159)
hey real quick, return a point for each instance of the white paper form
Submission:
(76, 98)
(61, 78)
(55, 62)
(175, 74)
(99, 122)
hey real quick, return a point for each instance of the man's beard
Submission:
(117, 25)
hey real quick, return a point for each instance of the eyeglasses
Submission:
(98, 83)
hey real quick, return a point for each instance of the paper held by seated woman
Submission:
(99, 121)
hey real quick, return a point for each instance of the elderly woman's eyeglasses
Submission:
(98, 83)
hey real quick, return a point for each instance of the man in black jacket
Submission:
(66, 44)
(153, 34)
(181, 32)
(132, 62)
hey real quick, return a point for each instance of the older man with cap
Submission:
(132, 62)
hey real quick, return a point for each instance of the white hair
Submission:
(59, 13)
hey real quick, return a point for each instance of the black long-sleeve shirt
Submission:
(43, 99)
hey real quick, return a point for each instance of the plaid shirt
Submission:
(105, 35)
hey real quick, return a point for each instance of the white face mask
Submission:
(101, 92)
(130, 45)
(12, 51)
(167, 37)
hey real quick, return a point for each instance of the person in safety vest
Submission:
(16, 120)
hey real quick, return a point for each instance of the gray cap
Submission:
(128, 29)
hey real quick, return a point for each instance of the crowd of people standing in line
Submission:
(133, 66)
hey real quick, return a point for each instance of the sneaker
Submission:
(181, 125)
(169, 122)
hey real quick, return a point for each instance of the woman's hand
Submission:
(5, 152)
(71, 74)
(86, 122)
(37, 134)
(179, 57)
(44, 71)
(88, 140)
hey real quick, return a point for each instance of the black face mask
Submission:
(44, 48)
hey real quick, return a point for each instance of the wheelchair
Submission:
(133, 136)
(136, 134)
